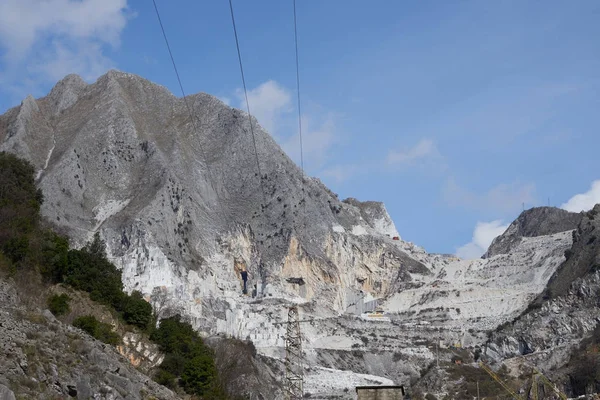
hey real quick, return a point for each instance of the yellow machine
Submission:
(500, 382)
(536, 377)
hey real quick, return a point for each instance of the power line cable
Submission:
(237, 45)
(193, 120)
(298, 91)
(299, 115)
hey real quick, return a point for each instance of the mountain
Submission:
(181, 203)
(184, 211)
(539, 221)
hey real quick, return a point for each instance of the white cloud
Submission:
(317, 141)
(341, 173)
(225, 100)
(23, 22)
(271, 104)
(483, 234)
(42, 41)
(424, 149)
(503, 198)
(584, 201)
(268, 103)
(59, 60)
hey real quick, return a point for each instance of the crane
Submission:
(538, 376)
(500, 382)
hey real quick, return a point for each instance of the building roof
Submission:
(380, 387)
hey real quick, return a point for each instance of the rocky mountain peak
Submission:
(537, 221)
(376, 216)
(66, 92)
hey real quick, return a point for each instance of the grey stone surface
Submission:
(122, 157)
(43, 358)
(538, 221)
(6, 393)
(582, 259)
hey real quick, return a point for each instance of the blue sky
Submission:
(452, 113)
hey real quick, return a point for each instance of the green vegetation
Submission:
(20, 203)
(89, 270)
(188, 362)
(23, 243)
(97, 329)
(28, 248)
(137, 311)
(58, 304)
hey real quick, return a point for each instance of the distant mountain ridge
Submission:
(538, 221)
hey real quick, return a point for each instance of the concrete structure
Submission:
(356, 304)
(380, 392)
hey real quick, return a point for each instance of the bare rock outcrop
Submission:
(538, 221)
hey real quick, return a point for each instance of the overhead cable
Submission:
(237, 45)
(189, 108)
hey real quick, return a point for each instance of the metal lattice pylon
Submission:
(294, 372)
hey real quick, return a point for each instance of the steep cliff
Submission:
(182, 206)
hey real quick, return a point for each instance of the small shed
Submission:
(380, 392)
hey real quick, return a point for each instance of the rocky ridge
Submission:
(538, 221)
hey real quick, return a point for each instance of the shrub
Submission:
(55, 256)
(165, 378)
(96, 275)
(136, 310)
(97, 329)
(58, 304)
(20, 200)
(187, 357)
(199, 375)
(16, 248)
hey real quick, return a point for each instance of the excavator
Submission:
(536, 378)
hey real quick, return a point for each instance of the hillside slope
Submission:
(42, 358)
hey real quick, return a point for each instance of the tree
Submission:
(58, 304)
(187, 357)
(95, 275)
(55, 257)
(199, 375)
(97, 247)
(136, 310)
(97, 329)
(20, 200)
